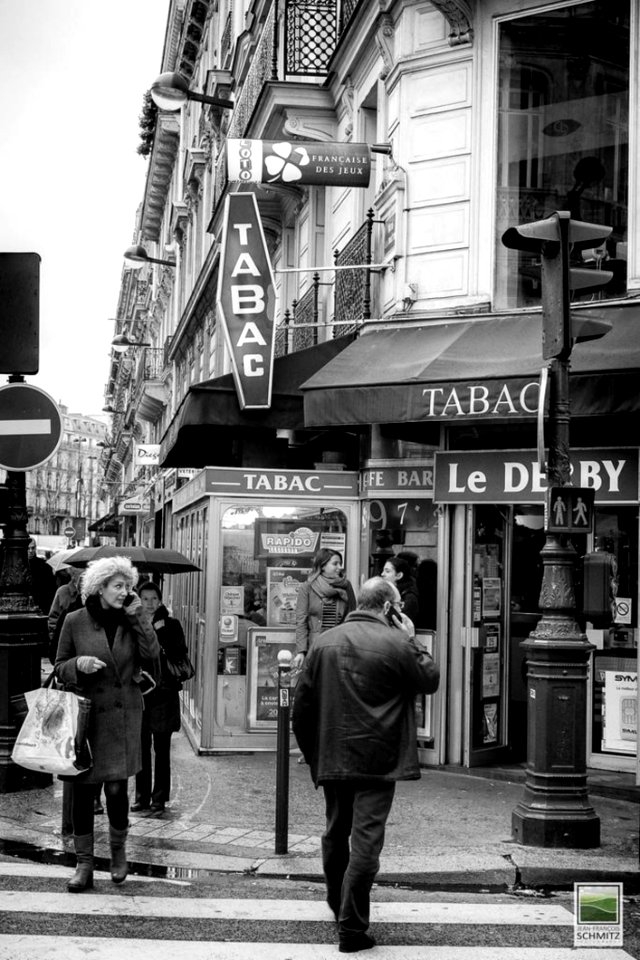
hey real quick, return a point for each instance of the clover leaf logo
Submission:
(285, 164)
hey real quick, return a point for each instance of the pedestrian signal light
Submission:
(569, 510)
(554, 240)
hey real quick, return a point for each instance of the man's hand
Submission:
(407, 625)
(298, 660)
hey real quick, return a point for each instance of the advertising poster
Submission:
(263, 646)
(491, 597)
(620, 709)
(490, 675)
(283, 584)
(334, 541)
(490, 725)
(232, 600)
(491, 633)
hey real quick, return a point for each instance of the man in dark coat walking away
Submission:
(161, 715)
(354, 720)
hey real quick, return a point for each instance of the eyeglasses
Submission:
(399, 605)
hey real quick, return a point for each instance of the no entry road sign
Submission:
(30, 427)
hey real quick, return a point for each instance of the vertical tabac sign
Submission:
(246, 300)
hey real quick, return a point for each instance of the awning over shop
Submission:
(473, 370)
(209, 416)
(107, 525)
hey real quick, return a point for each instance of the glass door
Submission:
(486, 698)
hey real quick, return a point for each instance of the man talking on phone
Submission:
(354, 720)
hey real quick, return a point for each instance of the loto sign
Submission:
(246, 301)
(295, 161)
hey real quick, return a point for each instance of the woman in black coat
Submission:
(161, 716)
(398, 572)
(100, 654)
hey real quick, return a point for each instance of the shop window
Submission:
(267, 553)
(615, 660)
(563, 136)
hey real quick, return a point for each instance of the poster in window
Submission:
(283, 584)
(620, 729)
(491, 636)
(263, 646)
(491, 597)
(490, 723)
(490, 675)
(425, 639)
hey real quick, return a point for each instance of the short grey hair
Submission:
(374, 593)
(99, 572)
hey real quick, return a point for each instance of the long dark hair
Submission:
(323, 556)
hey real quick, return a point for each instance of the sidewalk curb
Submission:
(479, 870)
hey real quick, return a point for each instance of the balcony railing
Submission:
(352, 296)
(310, 36)
(352, 292)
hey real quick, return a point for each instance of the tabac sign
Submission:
(246, 301)
(295, 161)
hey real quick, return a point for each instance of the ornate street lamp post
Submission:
(555, 810)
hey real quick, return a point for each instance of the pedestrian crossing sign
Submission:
(569, 510)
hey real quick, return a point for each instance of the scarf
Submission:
(330, 589)
(107, 617)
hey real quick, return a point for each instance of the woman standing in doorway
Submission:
(398, 572)
(323, 601)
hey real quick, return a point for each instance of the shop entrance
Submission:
(504, 544)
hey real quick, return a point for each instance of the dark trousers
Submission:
(156, 771)
(357, 812)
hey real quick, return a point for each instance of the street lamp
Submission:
(170, 91)
(137, 256)
(555, 810)
(120, 344)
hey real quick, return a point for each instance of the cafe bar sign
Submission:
(515, 476)
(298, 162)
(246, 301)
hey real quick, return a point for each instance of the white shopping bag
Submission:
(47, 739)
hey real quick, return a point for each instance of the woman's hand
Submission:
(298, 660)
(89, 664)
(132, 604)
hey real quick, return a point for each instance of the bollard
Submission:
(282, 752)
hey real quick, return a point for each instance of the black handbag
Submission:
(182, 669)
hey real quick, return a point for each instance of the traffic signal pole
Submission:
(23, 633)
(23, 629)
(555, 810)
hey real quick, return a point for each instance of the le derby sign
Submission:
(514, 476)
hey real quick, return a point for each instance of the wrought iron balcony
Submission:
(150, 394)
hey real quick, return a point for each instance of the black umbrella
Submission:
(146, 559)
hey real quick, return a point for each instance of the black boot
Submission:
(119, 867)
(83, 877)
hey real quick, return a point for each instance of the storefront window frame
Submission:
(499, 19)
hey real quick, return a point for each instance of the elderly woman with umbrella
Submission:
(101, 651)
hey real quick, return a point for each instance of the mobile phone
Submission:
(128, 600)
(394, 618)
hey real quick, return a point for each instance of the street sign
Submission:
(69, 531)
(30, 427)
(569, 509)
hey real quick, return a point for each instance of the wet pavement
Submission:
(449, 830)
